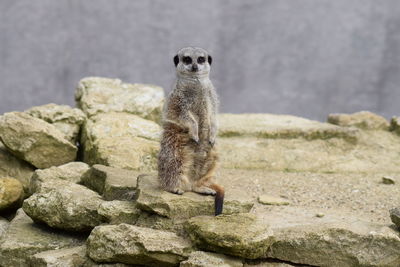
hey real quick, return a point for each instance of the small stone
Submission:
(111, 183)
(271, 200)
(387, 180)
(208, 259)
(117, 211)
(72, 207)
(23, 239)
(68, 257)
(35, 140)
(11, 193)
(243, 235)
(319, 215)
(130, 244)
(152, 199)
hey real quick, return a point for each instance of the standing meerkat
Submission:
(188, 157)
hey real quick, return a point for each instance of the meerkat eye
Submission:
(187, 60)
(201, 60)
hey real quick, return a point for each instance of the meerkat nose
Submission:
(195, 67)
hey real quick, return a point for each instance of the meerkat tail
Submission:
(219, 198)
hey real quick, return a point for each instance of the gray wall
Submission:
(309, 57)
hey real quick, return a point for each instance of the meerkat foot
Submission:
(177, 191)
(204, 190)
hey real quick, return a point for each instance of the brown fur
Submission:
(188, 157)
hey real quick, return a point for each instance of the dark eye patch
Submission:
(187, 60)
(201, 60)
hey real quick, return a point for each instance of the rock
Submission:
(130, 244)
(117, 211)
(154, 221)
(35, 140)
(66, 257)
(271, 200)
(334, 240)
(206, 259)
(280, 126)
(269, 263)
(364, 120)
(66, 119)
(3, 226)
(243, 235)
(24, 239)
(111, 183)
(11, 193)
(70, 172)
(395, 125)
(151, 198)
(387, 180)
(395, 216)
(72, 207)
(319, 215)
(96, 95)
(13, 167)
(121, 140)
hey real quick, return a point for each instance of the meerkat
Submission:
(188, 156)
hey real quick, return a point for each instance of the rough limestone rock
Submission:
(151, 198)
(11, 193)
(66, 119)
(269, 263)
(334, 240)
(118, 211)
(68, 257)
(72, 207)
(96, 95)
(154, 221)
(3, 226)
(13, 167)
(395, 216)
(279, 126)
(364, 119)
(24, 239)
(206, 259)
(70, 172)
(111, 183)
(35, 140)
(243, 235)
(121, 140)
(136, 245)
(395, 125)
(271, 200)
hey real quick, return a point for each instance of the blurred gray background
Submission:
(307, 58)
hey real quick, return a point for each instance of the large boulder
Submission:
(12, 166)
(3, 226)
(66, 119)
(98, 95)
(111, 183)
(35, 140)
(207, 259)
(395, 216)
(11, 193)
(243, 235)
(72, 207)
(70, 172)
(333, 240)
(364, 119)
(23, 239)
(136, 245)
(280, 126)
(121, 140)
(153, 199)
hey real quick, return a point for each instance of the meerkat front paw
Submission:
(204, 190)
(177, 191)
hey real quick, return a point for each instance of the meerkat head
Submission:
(192, 62)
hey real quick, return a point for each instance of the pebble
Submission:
(271, 200)
(387, 180)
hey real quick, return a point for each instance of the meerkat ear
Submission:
(209, 59)
(176, 60)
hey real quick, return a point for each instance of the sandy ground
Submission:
(356, 194)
